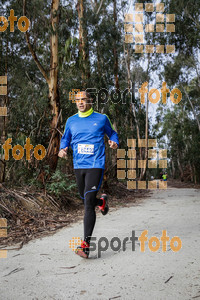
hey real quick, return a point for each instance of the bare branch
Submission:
(53, 133)
(194, 113)
(92, 4)
(40, 67)
(99, 7)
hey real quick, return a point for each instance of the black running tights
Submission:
(89, 182)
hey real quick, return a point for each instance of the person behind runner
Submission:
(164, 177)
(85, 132)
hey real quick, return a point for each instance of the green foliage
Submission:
(29, 110)
(60, 183)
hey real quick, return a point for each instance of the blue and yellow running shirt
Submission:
(84, 132)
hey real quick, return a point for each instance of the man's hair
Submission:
(89, 99)
(88, 95)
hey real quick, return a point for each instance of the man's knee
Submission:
(90, 198)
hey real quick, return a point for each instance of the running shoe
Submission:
(104, 207)
(83, 250)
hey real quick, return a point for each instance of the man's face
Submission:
(83, 103)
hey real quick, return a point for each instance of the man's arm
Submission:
(65, 140)
(111, 133)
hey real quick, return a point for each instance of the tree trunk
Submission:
(195, 175)
(191, 173)
(83, 43)
(146, 137)
(115, 46)
(173, 170)
(96, 10)
(54, 101)
(4, 101)
(195, 115)
(131, 87)
(52, 81)
(180, 169)
(143, 172)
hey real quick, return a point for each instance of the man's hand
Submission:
(112, 144)
(63, 152)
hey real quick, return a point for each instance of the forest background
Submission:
(79, 45)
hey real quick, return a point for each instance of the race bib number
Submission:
(85, 149)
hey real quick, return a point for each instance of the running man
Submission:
(84, 132)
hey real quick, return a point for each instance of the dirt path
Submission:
(48, 269)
